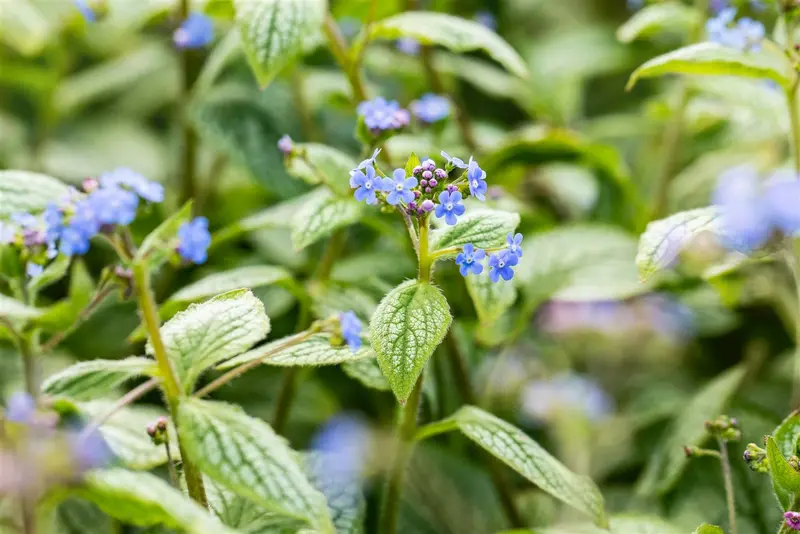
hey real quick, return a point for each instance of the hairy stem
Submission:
(425, 259)
(406, 431)
(728, 478)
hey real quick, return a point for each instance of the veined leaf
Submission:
(14, 309)
(157, 247)
(323, 164)
(242, 277)
(76, 516)
(213, 331)
(785, 479)
(316, 350)
(96, 378)
(490, 300)
(655, 19)
(245, 515)
(368, 372)
(244, 455)
(787, 434)
(483, 228)
(454, 33)
(715, 59)
(280, 215)
(410, 322)
(274, 32)
(320, 217)
(27, 191)
(345, 498)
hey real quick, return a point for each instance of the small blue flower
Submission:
(450, 207)
(380, 114)
(53, 220)
(114, 206)
(194, 240)
(126, 178)
(367, 183)
(195, 32)
(367, 162)
(745, 215)
(21, 408)
(73, 241)
(452, 163)
(782, 197)
(32, 270)
(408, 45)
(8, 232)
(746, 34)
(752, 32)
(500, 265)
(431, 108)
(351, 328)
(89, 450)
(486, 19)
(477, 180)
(85, 9)
(400, 187)
(470, 259)
(24, 219)
(514, 242)
(545, 399)
(343, 448)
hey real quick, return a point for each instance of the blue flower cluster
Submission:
(196, 31)
(744, 34)
(752, 211)
(351, 327)
(431, 108)
(381, 115)
(501, 264)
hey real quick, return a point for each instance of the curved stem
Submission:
(728, 478)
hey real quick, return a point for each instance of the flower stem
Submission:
(794, 119)
(58, 337)
(340, 51)
(728, 478)
(406, 431)
(425, 258)
(129, 398)
(30, 364)
(189, 71)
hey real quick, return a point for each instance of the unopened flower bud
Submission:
(428, 190)
(412, 207)
(440, 174)
(423, 183)
(427, 205)
(158, 431)
(427, 175)
(689, 451)
(417, 170)
(756, 458)
(90, 184)
(417, 194)
(452, 188)
(433, 182)
(161, 424)
(285, 145)
(428, 165)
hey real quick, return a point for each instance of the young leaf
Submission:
(517, 450)
(483, 228)
(708, 529)
(663, 240)
(408, 325)
(245, 515)
(27, 191)
(143, 499)
(96, 378)
(323, 164)
(157, 247)
(785, 479)
(787, 434)
(244, 455)
(274, 32)
(656, 19)
(320, 217)
(213, 331)
(316, 350)
(453, 33)
(490, 300)
(243, 277)
(715, 59)
(368, 372)
(412, 163)
(13, 309)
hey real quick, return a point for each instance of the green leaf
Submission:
(368, 372)
(76, 516)
(705, 528)
(345, 499)
(96, 378)
(13, 309)
(656, 19)
(668, 462)
(663, 240)
(244, 455)
(64, 313)
(454, 33)
(161, 243)
(410, 322)
(274, 32)
(27, 191)
(280, 215)
(785, 479)
(319, 217)
(145, 500)
(490, 300)
(787, 434)
(249, 277)
(481, 227)
(517, 450)
(245, 515)
(212, 331)
(715, 59)
(323, 164)
(412, 163)
(51, 274)
(316, 350)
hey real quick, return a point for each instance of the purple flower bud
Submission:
(90, 184)
(428, 189)
(32, 237)
(433, 183)
(412, 206)
(428, 165)
(423, 183)
(420, 211)
(427, 175)
(427, 205)
(452, 188)
(417, 194)
(792, 520)
(417, 170)
(161, 424)
(285, 145)
(440, 174)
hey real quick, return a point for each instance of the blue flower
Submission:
(486, 19)
(123, 177)
(477, 180)
(500, 265)
(450, 207)
(367, 162)
(351, 328)
(21, 408)
(431, 108)
(380, 115)
(367, 183)
(399, 187)
(745, 215)
(752, 32)
(782, 198)
(452, 163)
(32, 270)
(114, 205)
(85, 9)
(53, 221)
(73, 241)
(195, 32)
(89, 450)
(342, 447)
(24, 219)
(194, 240)
(514, 242)
(746, 34)
(8, 232)
(470, 259)
(408, 45)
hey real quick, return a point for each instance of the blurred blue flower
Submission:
(20, 408)
(452, 162)
(431, 108)
(367, 184)
(477, 180)
(380, 114)
(24, 219)
(53, 221)
(469, 260)
(408, 45)
(399, 187)
(194, 240)
(343, 446)
(113, 205)
(514, 242)
(8, 233)
(782, 197)
(635, 5)
(85, 10)
(450, 207)
(543, 399)
(501, 266)
(148, 190)
(745, 216)
(746, 34)
(33, 270)
(485, 18)
(89, 449)
(351, 328)
(195, 32)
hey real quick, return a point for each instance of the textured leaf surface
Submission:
(273, 32)
(715, 59)
(669, 461)
(319, 217)
(96, 378)
(245, 515)
(27, 191)
(787, 434)
(323, 164)
(160, 245)
(517, 450)
(213, 331)
(316, 350)
(368, 372)
(14, 309)
(490, 300)
(244, 455)
(663, 240)
(453, 33)
(785, 480)
(656, 19)
(408, 325)
(243, 277)
(346, 501)
(483, 228)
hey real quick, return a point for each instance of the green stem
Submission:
(425, 258)
(406, 433)
(171, 385)
(340, 52)
(307, 123)
(189, 72)
(794, 119)
(728, 478)
(30, 365)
